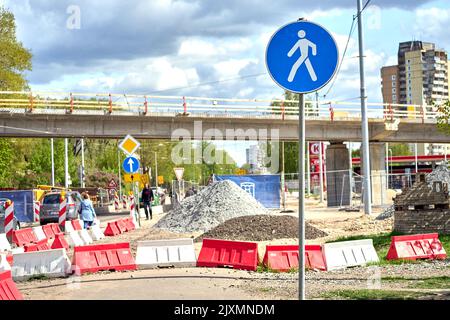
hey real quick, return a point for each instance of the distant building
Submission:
(255, 158)
(420, 77)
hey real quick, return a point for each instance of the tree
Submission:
(14, 58)
(443, 118)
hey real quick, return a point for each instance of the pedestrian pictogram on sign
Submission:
(129, 145)
(302, 57)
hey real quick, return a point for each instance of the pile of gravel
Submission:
(440, 173)
(210, 207)
(261, 228)
(386, 214)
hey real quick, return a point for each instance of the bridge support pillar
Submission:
(338, 185)
(378, 173)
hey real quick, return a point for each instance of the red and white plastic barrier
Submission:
(116, 202)
(9, 219)
(124, 201)
(37, 210)
(62, 212)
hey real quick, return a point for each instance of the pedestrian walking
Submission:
(87, 211)
(147, 198)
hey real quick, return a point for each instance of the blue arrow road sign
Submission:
(302, 57)
(130, 165)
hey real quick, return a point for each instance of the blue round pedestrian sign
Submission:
(302, 57)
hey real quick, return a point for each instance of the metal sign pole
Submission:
(301, 197)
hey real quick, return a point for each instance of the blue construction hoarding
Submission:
(264, 188)
(23, 203)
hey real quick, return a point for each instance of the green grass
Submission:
(38, 277)
(381, 242)
(442, 282)
(366, 294)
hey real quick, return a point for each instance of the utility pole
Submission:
(53, 160)
(66, 163)
(321, 170)
(82, 164)
(365, 122)
(156, 172)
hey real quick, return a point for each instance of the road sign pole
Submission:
(301, 197)
(365, 121)
(120, 174)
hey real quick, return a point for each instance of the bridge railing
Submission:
(148, 105)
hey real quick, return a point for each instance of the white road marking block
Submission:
(73, 239)
(96, 233)
(40, 235)
(4, 264)
(84, 235)
(4, 243)
(165, 253)
(51, 263)
(339, 255)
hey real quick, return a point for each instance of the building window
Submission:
(394, 77)
(393, 83)
(409, 81)
(408, 61)
(394, 98)
(394, 90)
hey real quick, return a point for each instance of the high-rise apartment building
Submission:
(420, 77)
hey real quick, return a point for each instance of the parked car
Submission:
(50, 206)
(16, 224)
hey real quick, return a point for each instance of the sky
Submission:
(153, 47)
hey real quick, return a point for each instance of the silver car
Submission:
(16, 224)
(49, 212)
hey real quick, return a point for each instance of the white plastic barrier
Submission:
(4, 243)
(164, 253)
(68, 227)
(344, 254)
(40, 235)
(51, 263)
(85, 237)
(73, 239)
(4, 264)
(96, 233)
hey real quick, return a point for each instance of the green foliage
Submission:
(443, 119)
(442, 282)
(400, 149)
(367, 294)
(6, 157)
(14, 58)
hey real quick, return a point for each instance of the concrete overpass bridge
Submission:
(42, 114)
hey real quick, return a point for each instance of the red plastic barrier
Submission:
(285, 257)
(41, 245)
(225, 253)
(60, 242)
(129, 224)
(48, 231)
(56, 229)
(10, 258)
(121, 225)
(8, 289)
(111, 230)
(418, 246)
(94, 258)
(23, 237)
(76, 225)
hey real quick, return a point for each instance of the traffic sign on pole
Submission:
(179, 173)
(302, 57)
(129, 145)
(130, 165)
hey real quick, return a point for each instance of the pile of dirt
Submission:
(212, 206)
(261, 228)
(440, 173)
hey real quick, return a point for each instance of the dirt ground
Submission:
(220, 283)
